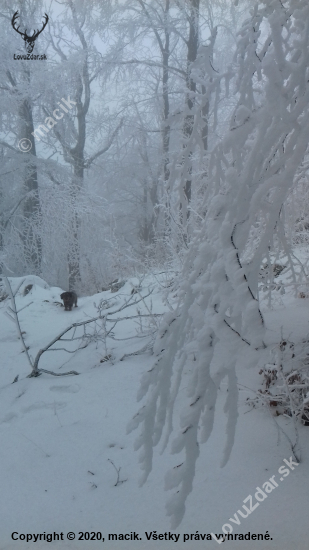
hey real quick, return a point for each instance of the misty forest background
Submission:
(117, 185)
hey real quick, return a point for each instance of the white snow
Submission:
(59, 433)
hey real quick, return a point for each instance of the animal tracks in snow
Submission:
(116, 445)
(42, 405)
(8, 417)
(72, 388)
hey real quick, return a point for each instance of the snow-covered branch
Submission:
(250, 173)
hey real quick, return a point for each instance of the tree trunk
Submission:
(189, 117)
(31, 205)
(165, 93)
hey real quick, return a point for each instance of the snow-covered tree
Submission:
(18, 90)
(250, 174)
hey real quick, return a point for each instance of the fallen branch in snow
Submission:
(103, 318)
(118, 481)
(138, 352)
(13, 315)
(86, 337)
(36, 371)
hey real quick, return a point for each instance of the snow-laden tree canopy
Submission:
(250, 173)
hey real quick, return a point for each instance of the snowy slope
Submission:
(59, 434)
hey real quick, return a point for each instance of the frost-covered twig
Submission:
(14, 315)
(147, 347)
(102, 318)
(118, 480)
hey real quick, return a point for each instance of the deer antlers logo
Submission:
(29, 40)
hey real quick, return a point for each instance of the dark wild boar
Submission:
(69, 298)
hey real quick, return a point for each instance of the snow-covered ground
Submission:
(60, 436)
